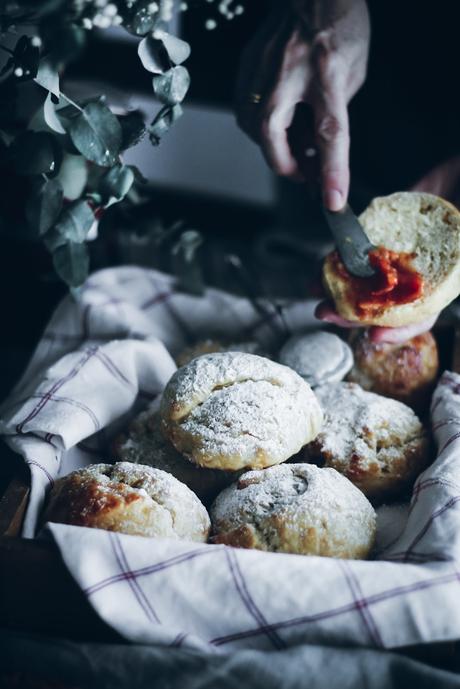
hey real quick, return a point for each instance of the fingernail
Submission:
(334, 200)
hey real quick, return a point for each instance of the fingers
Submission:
(443, 180)
(400, 335)
(275, 72)
(275, 144)
(332, 128)
(325, 311)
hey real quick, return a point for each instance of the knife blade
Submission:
(352, 242)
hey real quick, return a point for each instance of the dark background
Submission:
(403, 121)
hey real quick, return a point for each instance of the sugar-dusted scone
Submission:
(145, 443)
(210, 346)
(295, 508)
(419, 273)
(376, 442)
(233, 410)
(129, 498)
(406, 371)
(319, 357)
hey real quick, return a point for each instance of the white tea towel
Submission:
(111, 348)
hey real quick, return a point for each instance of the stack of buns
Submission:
(287, 456)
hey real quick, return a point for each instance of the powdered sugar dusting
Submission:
(319, 357)
(146, 444)
(160, 504)
(285, 501)
(364, 425)
(235, 409)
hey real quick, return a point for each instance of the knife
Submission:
(352, 242)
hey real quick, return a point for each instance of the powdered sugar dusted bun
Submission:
(145, 443)
(130, 498)
(210, 346)
(233, 410)
(413, 223)
(295, 508)
(319, 357)
(376, 442)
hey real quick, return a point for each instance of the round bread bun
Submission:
(406, 372)
(295, 508)
(414, 223)
(376, 442)
(210, 346)
(144, 443)
(233, 410)
(129, 498)
(319, 357)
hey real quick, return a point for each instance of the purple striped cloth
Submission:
(107, 352)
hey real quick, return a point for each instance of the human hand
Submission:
(325, 311)
(313, 53)
(443, 180)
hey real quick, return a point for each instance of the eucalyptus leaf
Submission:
(36, 153)
(132, 128)
(53, 239)
(163, 122)
(51, 117)
(172, 86)
(138, 176)
(9, 64)
(153, 55)
(75, 221)
(177, 49)
(185, 264)
(116, 183)
(97, 134)
(71, 262)
(48, 77)
(44, 205)
(73, 176)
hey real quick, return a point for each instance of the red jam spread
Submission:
(395, 282)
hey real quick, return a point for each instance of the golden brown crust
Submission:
(378, 443)
(406, 372)
(129, 498)
(295, 508)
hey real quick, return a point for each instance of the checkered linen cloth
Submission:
(110, 348)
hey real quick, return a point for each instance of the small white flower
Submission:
(36, 41)
(210, 24)
(153, 7)
(110, 10)
(101, 22)
(87, 23)
(18, 72)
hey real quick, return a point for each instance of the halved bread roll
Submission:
(425, 229)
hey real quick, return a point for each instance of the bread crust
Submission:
(295, 508)
(233, 410)
(129, 498)
(377, 443)
(145, 443)
(405, 371)
(440, 289)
